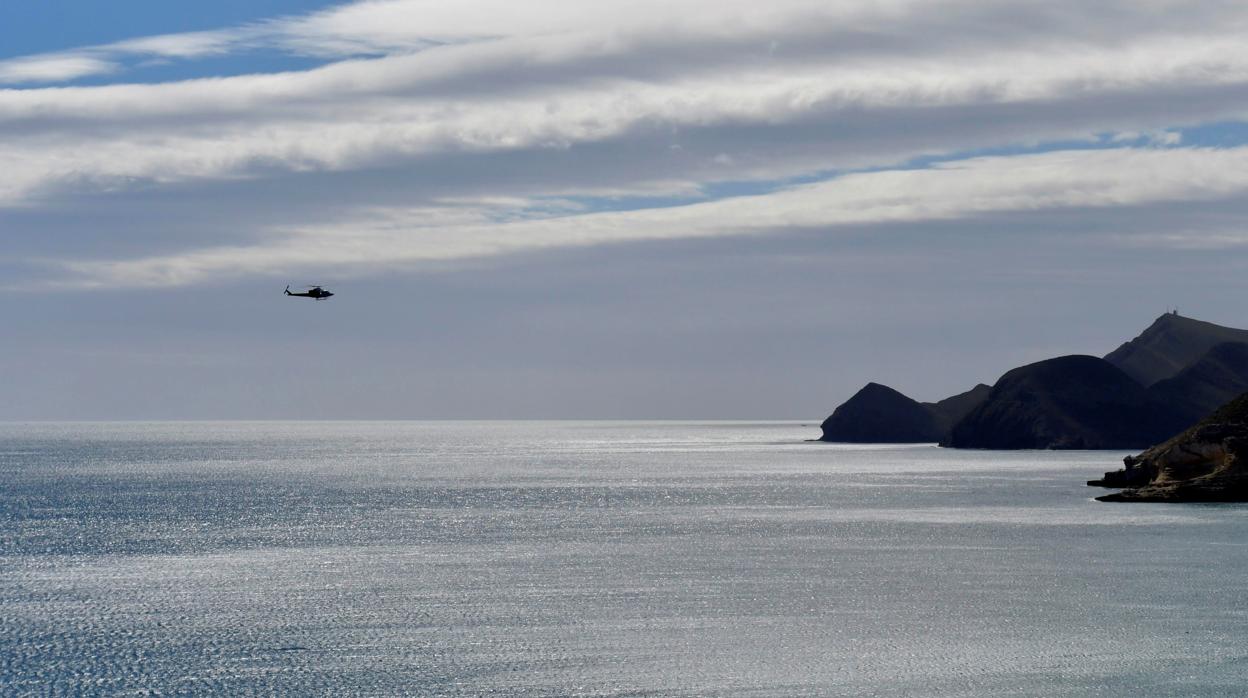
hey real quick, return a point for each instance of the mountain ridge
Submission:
(1168, 345)
(1207, 383)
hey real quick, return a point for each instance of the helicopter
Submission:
(316, 292)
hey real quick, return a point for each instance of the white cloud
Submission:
(361, 113)
(632, 97)
(393, 237)
(53, 67)
(184, 45)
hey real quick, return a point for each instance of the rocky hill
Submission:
(1170, 344)
(1206, 463)
(1071, 402)
(879, 414)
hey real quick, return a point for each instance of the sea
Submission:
(596, 559)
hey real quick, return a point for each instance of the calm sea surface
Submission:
(595, 558)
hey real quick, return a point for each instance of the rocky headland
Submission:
(1206, 463)
(879, 414)
(1175, 372)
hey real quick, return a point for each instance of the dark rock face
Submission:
(1170, 344)
(1206, 463)
(1212, 381)
(1071, 402)
(879, 414)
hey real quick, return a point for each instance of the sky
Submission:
(619, 209)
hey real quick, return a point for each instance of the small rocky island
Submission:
(1206, 463)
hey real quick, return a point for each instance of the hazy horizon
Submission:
(638, 210)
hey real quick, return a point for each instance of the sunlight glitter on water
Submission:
(604, 558)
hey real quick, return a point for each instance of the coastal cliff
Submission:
(1206, 463)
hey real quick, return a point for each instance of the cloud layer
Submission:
(1087, 179)
(519, 127)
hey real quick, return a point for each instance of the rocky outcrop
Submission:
(879, 414)
(1206, 463)
(1071, 402)
(1170, 344)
